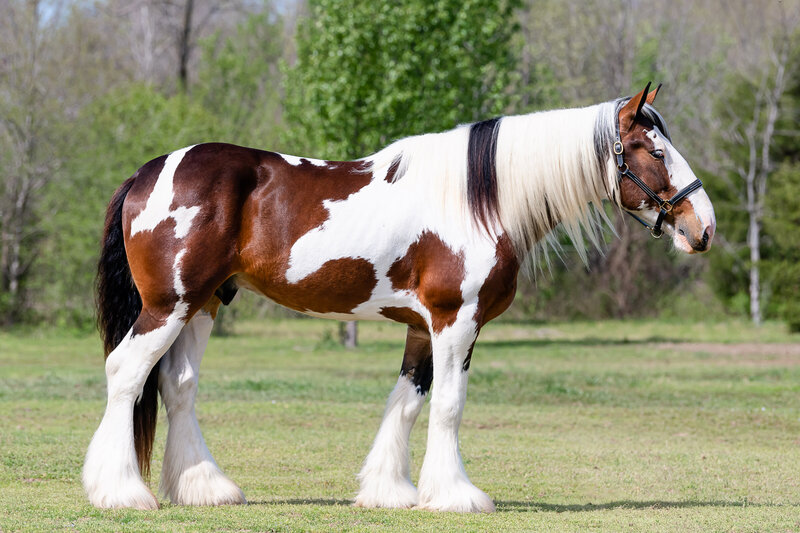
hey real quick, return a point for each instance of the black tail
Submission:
(118, 307)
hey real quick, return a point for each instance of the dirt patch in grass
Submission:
(768, 353)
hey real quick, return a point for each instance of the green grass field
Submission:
(606, 426)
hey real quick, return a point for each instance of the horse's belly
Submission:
(344, 288)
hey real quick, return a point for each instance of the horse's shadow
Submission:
(534, 506)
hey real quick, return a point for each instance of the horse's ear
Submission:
(631, 110)
(651, 96)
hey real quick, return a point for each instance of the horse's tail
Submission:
(118, 307)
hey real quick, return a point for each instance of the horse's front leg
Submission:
(385, 477)
(443, 482)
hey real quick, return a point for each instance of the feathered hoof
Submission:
(203, 484)
(462, 497)
(395, 494)
(133, 494)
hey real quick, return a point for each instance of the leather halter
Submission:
(665, 206)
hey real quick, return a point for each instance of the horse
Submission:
(431, 232)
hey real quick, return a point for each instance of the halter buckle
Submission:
(666, 206)
(623, 168)
(656, 233)
(618, 147)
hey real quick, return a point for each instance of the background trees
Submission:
(91, 90)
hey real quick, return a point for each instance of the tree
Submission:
(748, 128)
(370, 72)
(31, 114)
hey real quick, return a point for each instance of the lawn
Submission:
(606, 426)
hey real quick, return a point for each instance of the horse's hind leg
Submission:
(190, 475)
(385, 479)
(111, 472)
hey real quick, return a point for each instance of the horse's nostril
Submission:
(680, 231)
(705, 238)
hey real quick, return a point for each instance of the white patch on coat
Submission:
(190, 476)
(297, 161)
(158, 204)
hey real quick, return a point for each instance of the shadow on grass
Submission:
(515, 506)
(511, 506)
(303, 501)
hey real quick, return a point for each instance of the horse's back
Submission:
(225, 210)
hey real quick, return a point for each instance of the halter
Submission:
(665, 206)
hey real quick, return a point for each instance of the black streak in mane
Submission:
(482, 170)
(392, 171)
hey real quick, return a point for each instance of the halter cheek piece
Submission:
(665, 206)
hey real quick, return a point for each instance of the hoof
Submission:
(203, 484)
(401, 494)
(133, 494)
(463, 497)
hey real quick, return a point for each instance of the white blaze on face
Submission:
(681, 175)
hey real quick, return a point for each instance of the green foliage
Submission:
(781, 223)
(370, 72)
(727, 274)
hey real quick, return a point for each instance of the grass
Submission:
(606, 426)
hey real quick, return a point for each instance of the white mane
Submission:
(556, 166)
(552, 168)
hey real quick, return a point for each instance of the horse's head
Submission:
(656, 184)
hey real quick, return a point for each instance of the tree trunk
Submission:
(185, 46)
(753, 240)
(348, 334)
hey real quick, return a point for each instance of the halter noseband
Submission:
(665, 206)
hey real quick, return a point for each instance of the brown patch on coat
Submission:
(212, 307)
(286, 203)
(404, 315)
(500, 286)
(433, 271)
(338, 286)
(637, 148)
(151, 256)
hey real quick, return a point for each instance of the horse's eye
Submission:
(658, 154)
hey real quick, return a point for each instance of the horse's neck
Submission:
(552, 167)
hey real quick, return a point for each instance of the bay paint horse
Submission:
(430, 232)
